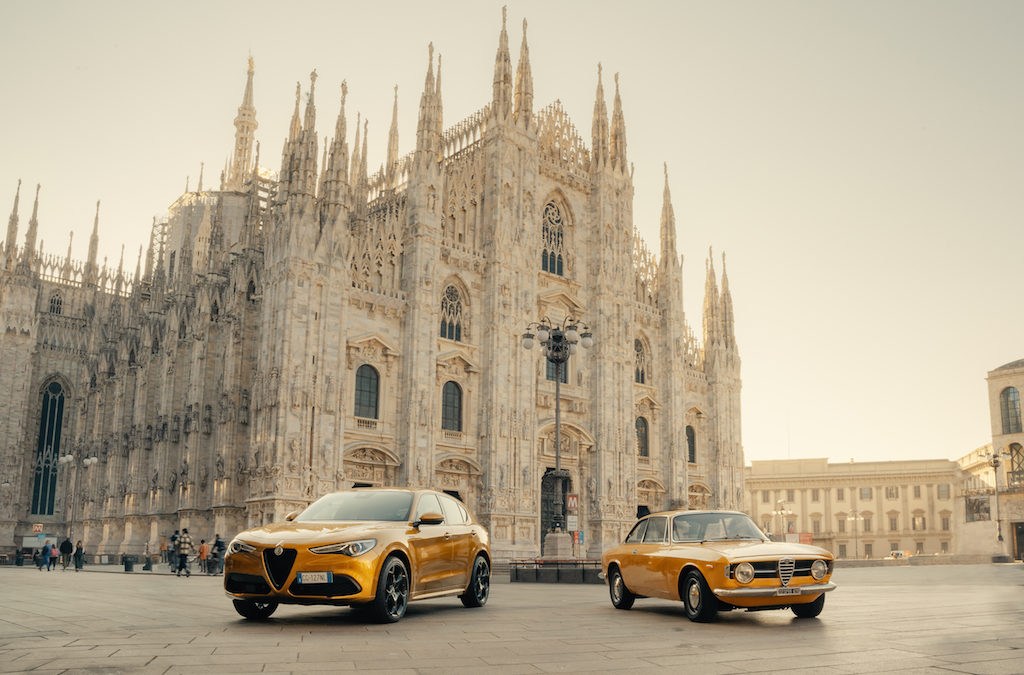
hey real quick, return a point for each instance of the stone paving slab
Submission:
(941, 619)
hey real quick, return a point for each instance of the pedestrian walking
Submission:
(37, 559)
(49, 556)
(66, 549)
(219, 548)
(185, 549)
(204, 555)
(174, 551)
(79, 556)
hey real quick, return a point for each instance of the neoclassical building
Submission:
(292, 333)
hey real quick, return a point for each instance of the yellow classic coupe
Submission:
(715, 561)
(375, 549)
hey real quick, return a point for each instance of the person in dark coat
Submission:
(79, 556)
(66, 549)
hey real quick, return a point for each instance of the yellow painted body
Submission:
(439, 557)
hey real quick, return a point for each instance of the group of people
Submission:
(47, 557)
(181, 547)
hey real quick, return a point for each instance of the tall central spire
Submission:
(618, 141)
(30, 235)
(668, 226)
(245, 133)
(390, 170)
(524, 83)
(501, 104)
(599, 127)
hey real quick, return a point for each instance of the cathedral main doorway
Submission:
(547, 500)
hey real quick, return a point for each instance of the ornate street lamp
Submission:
(558, 340)
(782, 512)
(995, 459)
(854, 517)
(70, 458)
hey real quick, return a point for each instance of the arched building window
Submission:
(451, 407)
(452, 314)
(642, 361)
(1016, 475)
(553, 257)
(642, 445)
(56, 303)
(367, 392)
(691, 445)
(51, 419)
(1009, 406)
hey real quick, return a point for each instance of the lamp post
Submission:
(854, 517)
(995, 459)
(71, 458)
(782, 512)
(558, 341)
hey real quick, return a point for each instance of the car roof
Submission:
(679, 512)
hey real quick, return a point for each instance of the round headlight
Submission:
(744, 573)
(819, 568)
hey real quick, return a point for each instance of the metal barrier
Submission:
(544, 571)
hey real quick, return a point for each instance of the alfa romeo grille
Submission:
(279, 566)
(786, 567)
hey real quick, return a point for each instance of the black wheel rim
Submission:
(481, 580)
(261, 606)
(396, 590)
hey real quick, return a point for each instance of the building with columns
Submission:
(287, 334)
(858, 509)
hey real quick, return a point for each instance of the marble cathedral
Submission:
(295, 333)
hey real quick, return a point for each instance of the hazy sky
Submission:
(861, 163)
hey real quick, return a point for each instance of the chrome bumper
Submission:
(772, 592)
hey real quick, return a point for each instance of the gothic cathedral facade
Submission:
(291, 334)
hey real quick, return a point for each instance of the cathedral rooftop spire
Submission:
(309, 119)
(392, 162)
(334, 187)
(202, 166)
(428, 127)
(668, 224)
(711, 302)
(524, 83)
(296, 125)
(12, 226)
(30, 235)
(502, 97)
(725, 309)
(94, 245)
(245, 130)
(599, 126)
(617, 152)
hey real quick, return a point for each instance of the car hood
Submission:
(303, 533)
(744, 550)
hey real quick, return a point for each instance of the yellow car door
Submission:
(431, 545)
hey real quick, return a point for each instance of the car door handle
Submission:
(635, 551)
(447, 535)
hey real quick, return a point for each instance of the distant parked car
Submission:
(372, 548)
(715, 561)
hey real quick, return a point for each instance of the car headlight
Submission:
(819, 568)
(349, 548)
(239, 546)
(744, 573)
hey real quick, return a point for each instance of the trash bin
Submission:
(129, 562)
(19, 559)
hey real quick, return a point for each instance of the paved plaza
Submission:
(927, 619)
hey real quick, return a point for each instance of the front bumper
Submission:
(246, 575)
(773, 591)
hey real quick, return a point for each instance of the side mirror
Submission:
(429, 519)
(291, 516)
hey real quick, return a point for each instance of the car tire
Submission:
(255, 610)
(479, 584)
(392, 597)
(621, 596)
(698, 600)
(810, 609)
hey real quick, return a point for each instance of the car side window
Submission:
(428, 504)
(636, 535)
(451, 511)
(655, 530)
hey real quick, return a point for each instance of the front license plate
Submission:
(315, 577)
(788, 591)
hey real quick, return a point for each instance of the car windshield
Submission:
(714, 526)
(392, 505)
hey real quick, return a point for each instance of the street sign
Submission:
(572, 503)
(572, 523)
(581, 537)
(37, 527)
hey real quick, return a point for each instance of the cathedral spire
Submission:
(725, 309)
(355, 153)
(120, 272)
(617, 152)
(668, 225)
(202, 167)
(309, 119)
(296, 125)
(245, 130)
(138, 267)
(361, 179)
(150, 250)
(91, 271)
(67, 260)
(524, 83)
(391, 167)
(12, 227)
(428, 127)
(30, 235)
(334, 186)
(711, 302)
(502, 99)
(599, 127)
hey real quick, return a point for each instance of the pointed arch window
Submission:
(56, 303)
(452, 314)
(553, 256)
(641, 362)
(1016, 475)
(1009, 406)
(51, 418)
(451, 407)
(642, 445)
(250, 291)
(691, 445)
(367, 392)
